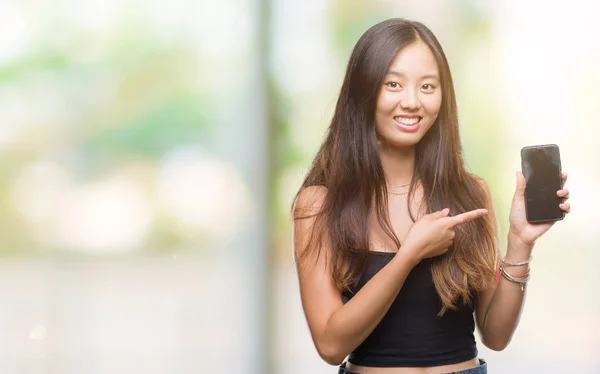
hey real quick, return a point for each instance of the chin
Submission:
(403, 141)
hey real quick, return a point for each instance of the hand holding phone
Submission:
(541, 167)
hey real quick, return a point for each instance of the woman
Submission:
(395, 242)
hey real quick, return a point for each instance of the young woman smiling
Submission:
(395, 242)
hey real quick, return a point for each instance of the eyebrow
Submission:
(400, 74)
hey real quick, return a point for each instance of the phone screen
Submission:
(541, 168)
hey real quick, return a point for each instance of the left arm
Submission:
(499, 308)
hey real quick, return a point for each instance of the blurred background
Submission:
(150, 151)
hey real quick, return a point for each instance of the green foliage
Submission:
(155, 130)
(42, 60)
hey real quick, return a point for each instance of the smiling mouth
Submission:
(407, 121)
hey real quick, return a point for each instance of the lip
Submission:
(409, 128)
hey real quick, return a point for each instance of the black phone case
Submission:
(526, 171)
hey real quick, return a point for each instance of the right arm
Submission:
(337, 328)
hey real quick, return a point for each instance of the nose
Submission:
(410, 100)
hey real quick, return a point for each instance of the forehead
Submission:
(415, 58)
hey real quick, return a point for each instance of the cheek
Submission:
(386, 103)
(433, 104)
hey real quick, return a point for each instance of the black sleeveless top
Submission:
(411, 334)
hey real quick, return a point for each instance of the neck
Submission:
(398, 164)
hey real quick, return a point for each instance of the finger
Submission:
(440, 213)
(467, 216)
(520, 190)
(564, 193)
(565, 207)
(564, 177)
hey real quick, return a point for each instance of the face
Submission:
(409, 100)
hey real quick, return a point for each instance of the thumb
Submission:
(440, 213)
(520, 191)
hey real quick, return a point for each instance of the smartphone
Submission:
(541, 167)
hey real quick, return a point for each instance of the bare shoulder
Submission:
(308, 224)
(309, 201)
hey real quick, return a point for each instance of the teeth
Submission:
(407, 121)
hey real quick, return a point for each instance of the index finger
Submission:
(466, 216)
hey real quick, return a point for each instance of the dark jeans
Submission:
(481, 369)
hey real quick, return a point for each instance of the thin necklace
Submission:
(397, 193)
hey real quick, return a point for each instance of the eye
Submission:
(428, 87)
(393, 85)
